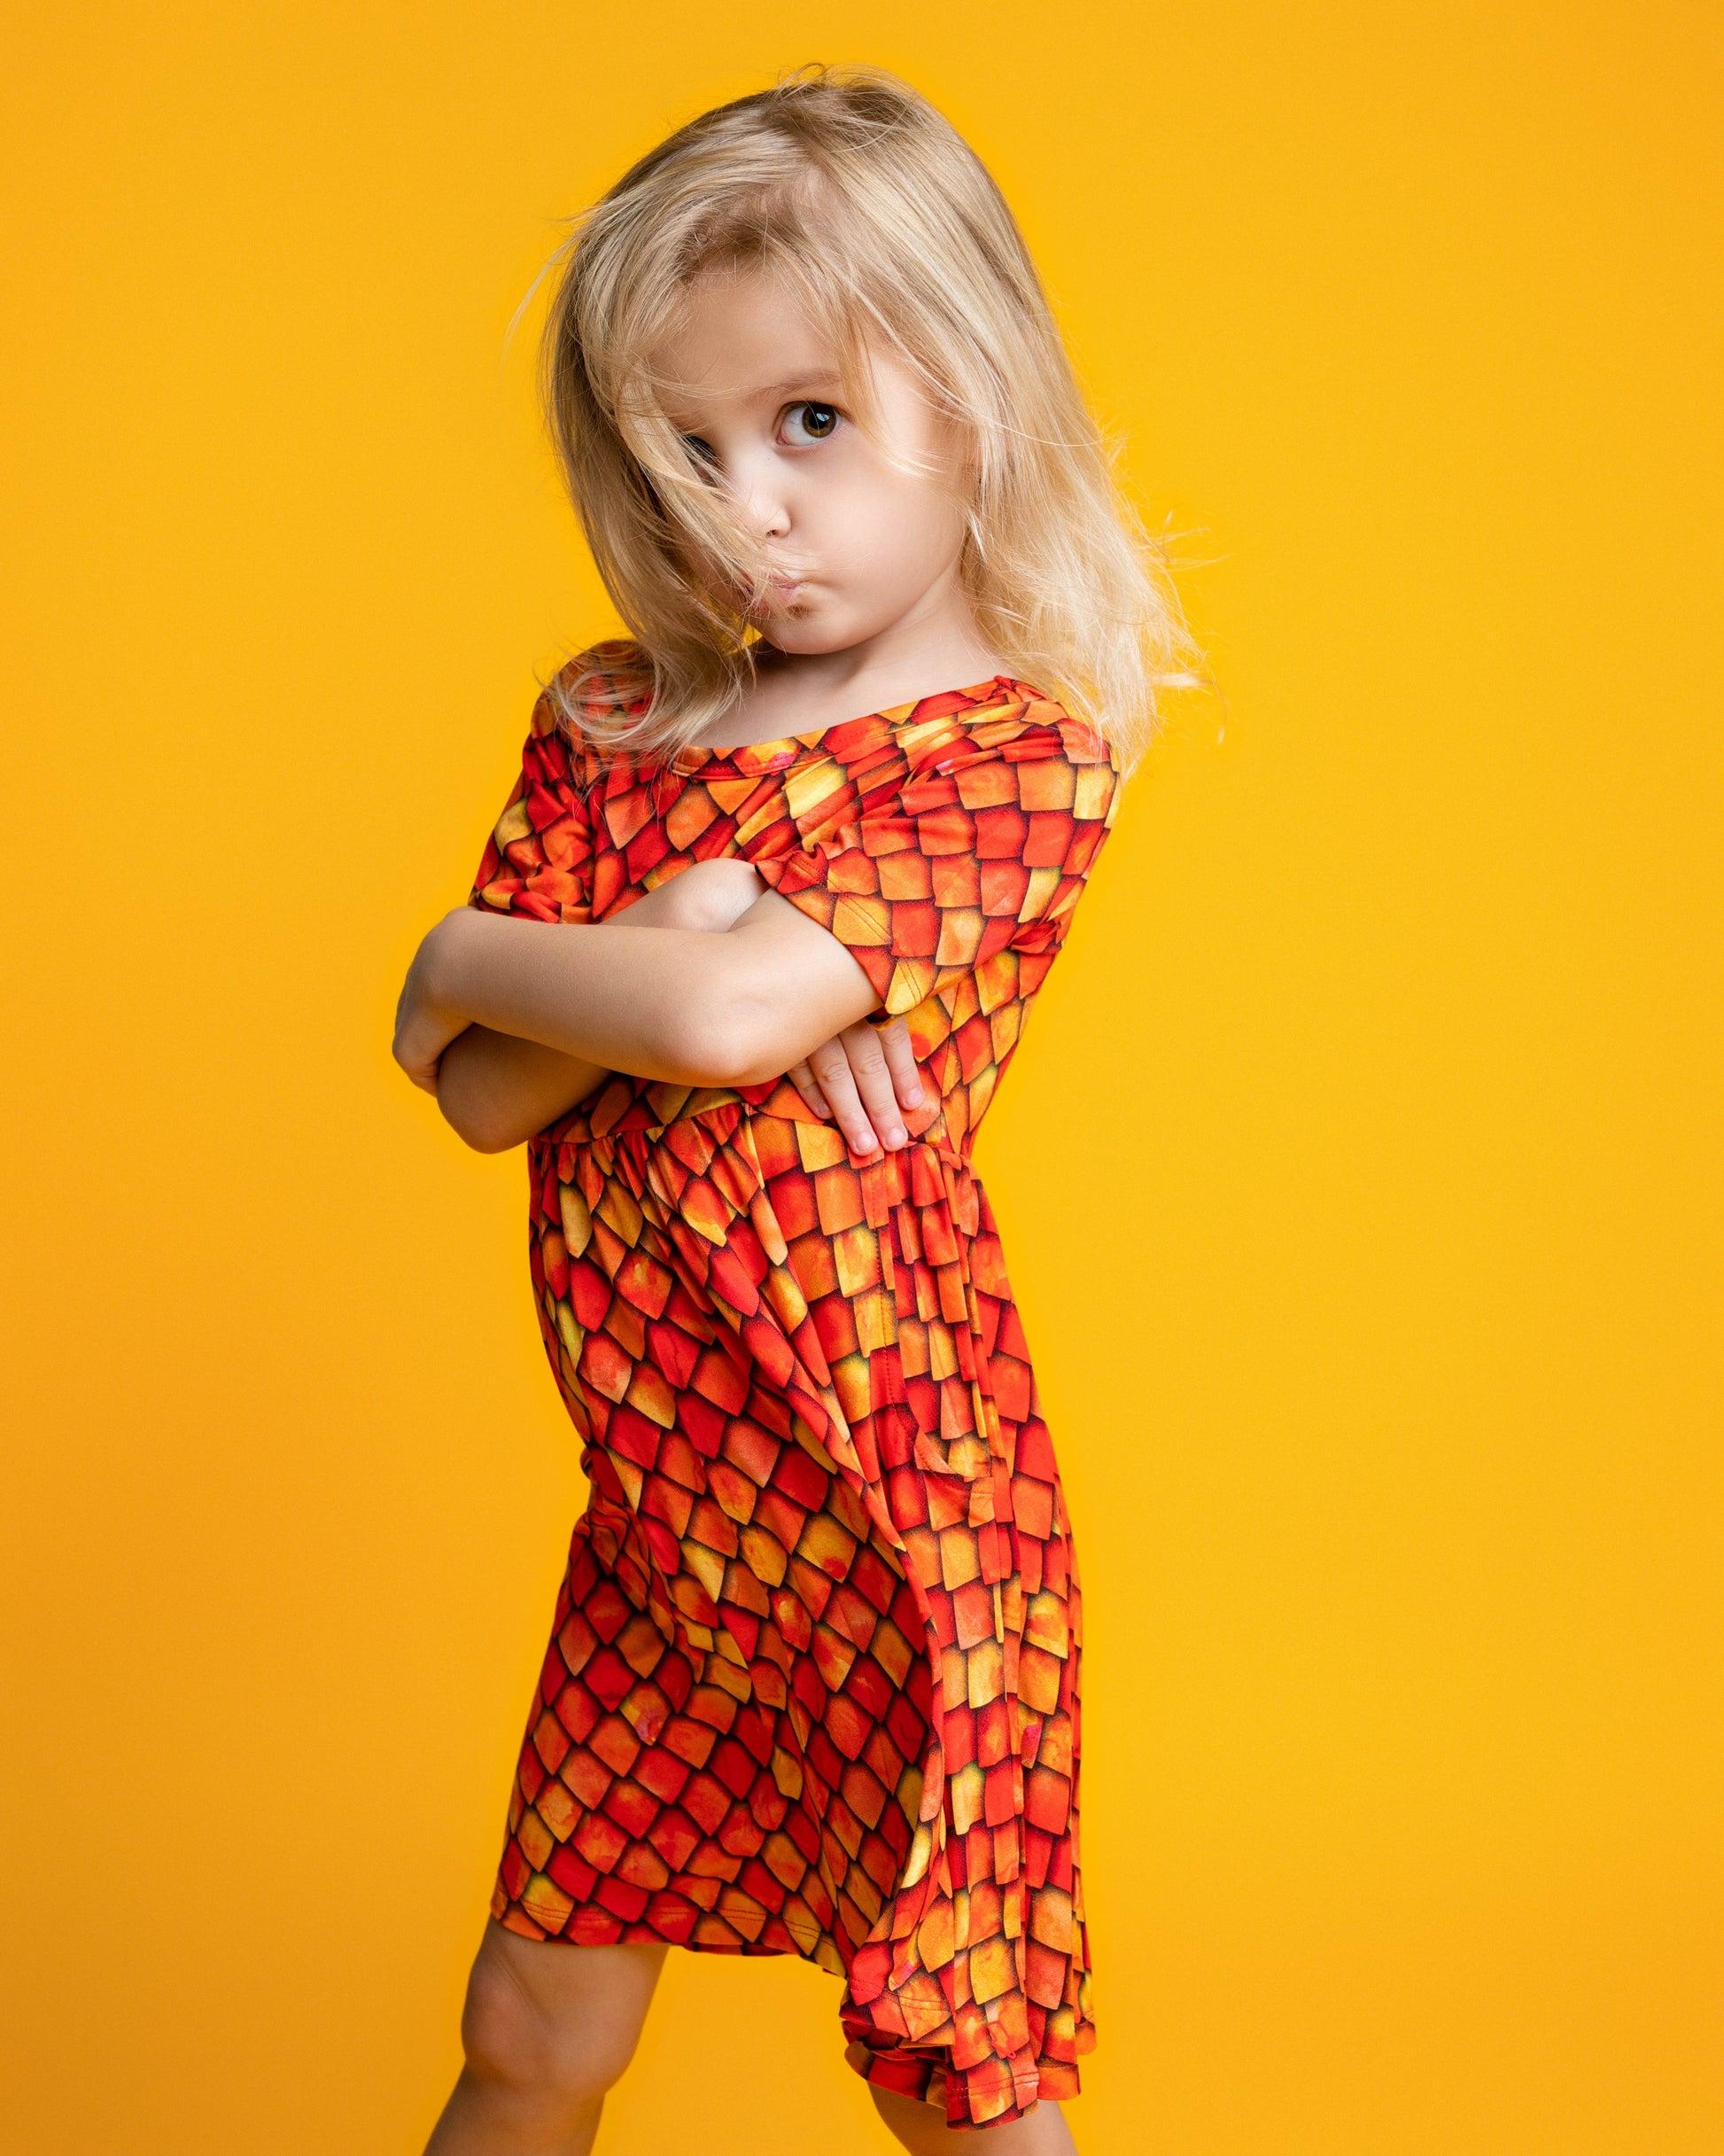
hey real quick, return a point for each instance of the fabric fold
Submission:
(812, 1684)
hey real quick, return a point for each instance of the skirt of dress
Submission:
(812, 1686)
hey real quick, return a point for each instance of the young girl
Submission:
(810, 840)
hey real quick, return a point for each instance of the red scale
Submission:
(756, 1672)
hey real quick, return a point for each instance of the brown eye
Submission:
(807, 422)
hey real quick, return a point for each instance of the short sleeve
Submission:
(962, 857)
(537, 860)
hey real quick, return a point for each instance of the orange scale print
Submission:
(813, 1681)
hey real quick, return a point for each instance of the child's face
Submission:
(860, 546)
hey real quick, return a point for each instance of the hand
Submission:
(862, 1078)
(423, 1027)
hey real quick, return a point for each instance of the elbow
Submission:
(468, 1113)
(480, 1133)
(719, 1036)
(488, 1140)
(710, 1049)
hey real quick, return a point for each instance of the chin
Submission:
(809, 631)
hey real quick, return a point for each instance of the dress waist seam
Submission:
(929, 1140)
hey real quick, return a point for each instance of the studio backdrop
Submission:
(1358, 1172)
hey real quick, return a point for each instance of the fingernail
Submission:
(895, 1134)
(915, 1096)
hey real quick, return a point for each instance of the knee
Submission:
(554, 2063)
(912, 2124)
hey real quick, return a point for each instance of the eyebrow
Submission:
(823, 379)
(818, 379)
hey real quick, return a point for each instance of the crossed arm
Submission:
(709, 980)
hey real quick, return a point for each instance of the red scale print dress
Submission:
(812, 1683)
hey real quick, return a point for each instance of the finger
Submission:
(417, 1072)
(809, 1087)
(861, 1050)
(901, 1060)
(423, 1074)
(831, 1066)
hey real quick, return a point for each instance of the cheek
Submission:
(897, 537)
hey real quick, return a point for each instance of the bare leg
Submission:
(922, 2129)
(547, 2029)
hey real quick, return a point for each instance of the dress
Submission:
(812, 1683)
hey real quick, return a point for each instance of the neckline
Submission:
(694, 758)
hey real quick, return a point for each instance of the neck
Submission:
(933, 647)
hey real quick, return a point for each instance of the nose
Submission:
(761, 499)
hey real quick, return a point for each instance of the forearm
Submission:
(674, 1004)
(495, 1090)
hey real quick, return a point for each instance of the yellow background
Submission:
(1359, 1172)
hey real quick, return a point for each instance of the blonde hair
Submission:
(874, 214)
